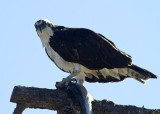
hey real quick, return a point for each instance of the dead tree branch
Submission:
(56, 99)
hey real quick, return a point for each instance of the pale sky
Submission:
(133, 25)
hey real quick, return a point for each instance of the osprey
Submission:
(87, 55)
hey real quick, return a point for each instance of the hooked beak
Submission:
(39, 27)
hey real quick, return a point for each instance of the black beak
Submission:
(40, 27)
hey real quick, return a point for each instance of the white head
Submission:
(44, 30)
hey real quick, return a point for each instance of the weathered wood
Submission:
(19, 109)
(56, 99)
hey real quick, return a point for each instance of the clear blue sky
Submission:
(133, 25)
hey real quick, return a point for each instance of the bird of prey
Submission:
(87, 55)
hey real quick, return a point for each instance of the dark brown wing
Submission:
(88, 48)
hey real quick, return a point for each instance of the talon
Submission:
(67, 80)
(74, 80)
(63, 83)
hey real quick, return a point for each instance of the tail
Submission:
(139, 74)
(119, 74)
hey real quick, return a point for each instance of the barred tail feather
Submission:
(140, 74)
(119, 74)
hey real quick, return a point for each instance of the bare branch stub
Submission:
(19, 109)
(56, 99)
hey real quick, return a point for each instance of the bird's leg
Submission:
(68, 79)
(80, 79)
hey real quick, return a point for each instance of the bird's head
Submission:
(42, 24)
(44, 30)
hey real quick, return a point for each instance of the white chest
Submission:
(59, 61)
(45, 35)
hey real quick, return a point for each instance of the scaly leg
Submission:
(67, 79)
(80, 79)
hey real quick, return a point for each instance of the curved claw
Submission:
(65, 82)
(73, 80)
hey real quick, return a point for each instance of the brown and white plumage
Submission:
(91, 55)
